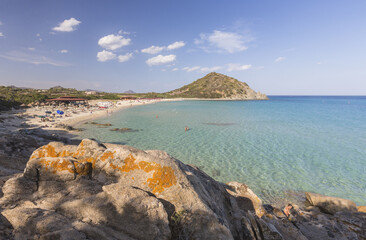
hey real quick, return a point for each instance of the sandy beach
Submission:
(74, 116)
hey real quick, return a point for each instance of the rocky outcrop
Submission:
(108, 191)
(330, 204)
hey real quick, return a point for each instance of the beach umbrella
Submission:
(60, 112)
(48, 112)
(41, 116)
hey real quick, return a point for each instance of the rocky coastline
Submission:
(53, 187)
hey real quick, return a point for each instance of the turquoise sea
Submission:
(284, 145)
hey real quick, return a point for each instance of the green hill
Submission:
(216, 85)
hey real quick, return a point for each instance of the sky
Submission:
(278, 47)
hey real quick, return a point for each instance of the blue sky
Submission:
(277, 47)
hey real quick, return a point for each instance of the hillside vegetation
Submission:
(213, 85)
(216, 85)
(12, 96)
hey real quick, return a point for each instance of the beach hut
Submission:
(128, 98)
(66, 100)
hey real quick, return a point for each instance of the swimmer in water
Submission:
(186, 128)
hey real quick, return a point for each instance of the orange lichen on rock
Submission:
(80, 151)
(107, 155)
(65, 153)
(130, 164)
(57, 165)
(45, 151)
(50, 151)
(162, 178)
(82, 169)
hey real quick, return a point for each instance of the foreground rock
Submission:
(16, 147)
(96, 191)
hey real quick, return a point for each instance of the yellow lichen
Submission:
(107, 155)
(163, 177)
(80, 151)
(45, 151)
(65, 153)
(49, 151)
(57, 165)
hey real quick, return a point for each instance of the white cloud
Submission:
(220, 41)
(191, 69)
(124, 58)
(67, 25)
(160, 59)
(31, 49)
(228, 67)
(176, 45)
(175, 69)
(64, 51)
(237, 67)
(104, 56)
(152, 50)
(1, 34)
(279, 59)
(120, 32)
(210, 69)
(39, 37)
(202, 69)
(156, 49)
(31, 58)
(113, 42)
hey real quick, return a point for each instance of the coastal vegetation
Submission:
(11, 96)
(212, 86)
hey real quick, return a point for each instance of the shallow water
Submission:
(315, 144)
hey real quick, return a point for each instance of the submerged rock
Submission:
(68, 127)
(123, 130)
(97, 191)
(101, 124)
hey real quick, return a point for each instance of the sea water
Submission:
(286, 144)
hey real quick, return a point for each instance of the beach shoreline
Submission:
(76, 119)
